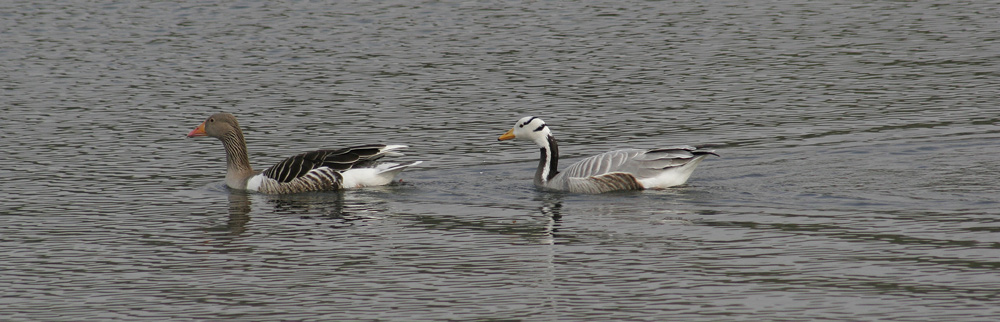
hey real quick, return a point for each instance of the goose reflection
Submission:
(551, 208)
(239, 215)
(344, 208)
(308, 205)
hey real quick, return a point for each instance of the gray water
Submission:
(857, 180)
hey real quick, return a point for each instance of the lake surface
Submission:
(857, 177)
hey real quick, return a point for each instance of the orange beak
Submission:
(198, 131)
(507, 136)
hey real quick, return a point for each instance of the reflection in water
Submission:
(344, 208)
(225, 235)
(857, 183)
(551, 208)
(239, 213)
(552, 204)
(325, 204)
(535, 219)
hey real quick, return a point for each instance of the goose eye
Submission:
(520, 125)
(211, 120)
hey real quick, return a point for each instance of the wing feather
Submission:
(640, 163)
(614, 181)
(299, 165)
(600, 164)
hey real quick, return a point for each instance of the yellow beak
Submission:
(507, 136)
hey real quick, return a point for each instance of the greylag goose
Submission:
(352, 167)
(626, 169)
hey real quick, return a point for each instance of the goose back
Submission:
(630, 169)
(339, 160)
(324, 170)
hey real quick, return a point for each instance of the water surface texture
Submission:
(858, 177)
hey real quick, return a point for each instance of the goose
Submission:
(625, 169)
(321, 170)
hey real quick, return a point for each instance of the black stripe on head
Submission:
(540, 127)
(528, 121)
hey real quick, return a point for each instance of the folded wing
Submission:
(298, 166)
(628, 169)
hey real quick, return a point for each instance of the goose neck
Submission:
(237, 162)
(548, 161)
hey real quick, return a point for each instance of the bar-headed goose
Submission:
(627, 169)
(352, 167)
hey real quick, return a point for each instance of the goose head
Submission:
(529, 128)
(216, 126)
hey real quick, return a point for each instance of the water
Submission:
(857, 177)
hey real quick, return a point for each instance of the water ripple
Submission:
(854, 184)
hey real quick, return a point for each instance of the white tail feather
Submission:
(377, 176)
(390, 150)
